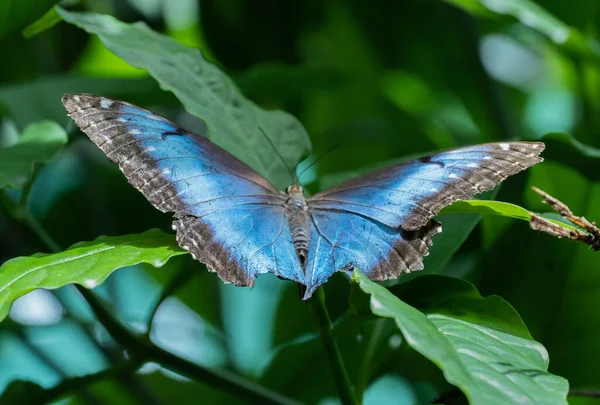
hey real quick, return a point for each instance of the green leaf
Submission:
(536, 17)
(499, 208)
(47, 21)
(85, 263)
(490, 366)
(487, 207)
(233, 122)
(39, 143)
(15, 14)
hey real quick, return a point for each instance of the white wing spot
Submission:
(166, 171)
(134, 132)
(472, 165)
(149, 149)
(504, 146)
(487, 158)
(121, 120)
(453, 176)
(186, 247)
(105, 103)
(174, 227)
(433, 190)
(194, 256)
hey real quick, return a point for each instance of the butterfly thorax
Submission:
(298, 218)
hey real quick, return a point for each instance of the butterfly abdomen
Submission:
(298, 221)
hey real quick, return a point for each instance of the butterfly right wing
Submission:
(226, 215)
(382, 222)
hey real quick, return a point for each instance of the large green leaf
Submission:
(233, 122)
(489, 365)
(39, 143)
(15, 14)
(85, 263)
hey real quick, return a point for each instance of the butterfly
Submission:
(236, 222)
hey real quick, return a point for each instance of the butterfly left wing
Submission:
(382, 222)
(226, 215)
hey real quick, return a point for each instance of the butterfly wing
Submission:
(343, 240)
(226, 214)
(382, 223)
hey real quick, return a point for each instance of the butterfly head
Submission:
(294, 189)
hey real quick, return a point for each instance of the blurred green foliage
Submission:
(385, 80)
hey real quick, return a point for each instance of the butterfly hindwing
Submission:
(226, 214)
(341, 241)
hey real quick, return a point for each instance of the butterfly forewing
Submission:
(408, 195)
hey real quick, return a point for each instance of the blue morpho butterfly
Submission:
(237, 223)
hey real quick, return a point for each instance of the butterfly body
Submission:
(298, 218)
(235, 221)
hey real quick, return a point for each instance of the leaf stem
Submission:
(27, 189)
(325, 328)
(584, 393)
(22, 214)
(369, 356)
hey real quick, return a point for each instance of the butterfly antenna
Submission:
(321, 156)
(294, 178)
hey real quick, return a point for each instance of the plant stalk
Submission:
(325, 328)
